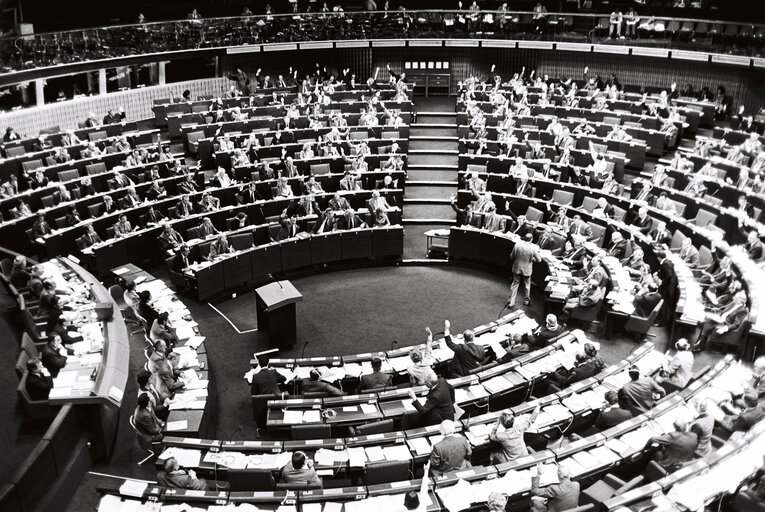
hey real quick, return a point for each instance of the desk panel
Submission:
(388, 242)
(237, 270)
(356, 244)
(266, 259)
(325, 248)
(209, 281)
(296, 254)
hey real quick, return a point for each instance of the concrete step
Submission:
(432, 175)
(434, 137)
(432, 130)
(431, 144)
(435, 222)
(433, 151)
(432, 126)
(439, 210)
(428, 192)
(426, 200)
(430, 183)
(424, 166)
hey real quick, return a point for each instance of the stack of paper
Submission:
(186, 457)
(456, 498)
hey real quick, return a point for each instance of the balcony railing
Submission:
(57, 48)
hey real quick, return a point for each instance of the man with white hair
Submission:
(451, 453)
(561, 496)
(679, 370)
(439, 405)
(703, 427)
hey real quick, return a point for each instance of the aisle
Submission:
(431, 174)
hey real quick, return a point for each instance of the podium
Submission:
(276, 312)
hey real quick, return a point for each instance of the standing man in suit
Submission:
(467, 355)
(524, 254)
(439, 405)
(668, 286)
(267, 380)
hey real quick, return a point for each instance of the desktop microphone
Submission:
(215, 465)
(502, 310)
(392, 344)
(271, 277)
(302, 354)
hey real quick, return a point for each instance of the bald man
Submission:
(561, 496)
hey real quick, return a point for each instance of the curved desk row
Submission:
(588, 459)
(193, 409)
(254, 265)
(99, 403)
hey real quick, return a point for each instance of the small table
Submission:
(437, 241)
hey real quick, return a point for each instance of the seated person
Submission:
(743, 420)
(308, 206)
(170, 239)
(380, 219)
(612, 414)
(512, 444)
(299, 470)
(147, 426)
(375, 380)
(675, 448)
(542, 336)
(162, 330)
(54, 355)
(451, 453)
(422, 359)
(678, 372)
(326, 223)
(122, 227)
(561, 496)
(20, 272)
(206, 228)
(729, 319)
(588, 364)
(208, 203)
(72, 217)
(516, 348)
(145, 309)
(314, 384)
(39, 383)
(587, 296)
(219, 247)
(350, 220)
(174, 476)
(289, 225)
(180, 261)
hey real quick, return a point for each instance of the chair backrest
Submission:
(533, 214)
(589, 203)
(320, 169)
(358, 135)
(304, 432)
(241, 241)
(6, 266)
(95, 209)
(192, 232)
(68, 175)
(31, 165)
(28, 345)
(388, 134)
(48, 201)
(705, 218)
(563, 197)
(705, 256)
(96, 168)
(619, 213)
(15, 151)
(251, 480)
(21, 363)
(378, 427)
(597, 233)
(677, 239)
(97, 135)
(476, 169)
(118, 295)
(193, 139)
(385, 472)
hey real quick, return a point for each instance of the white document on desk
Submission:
(312, 416)
(176, 425)
(293, 417)
(133, 488)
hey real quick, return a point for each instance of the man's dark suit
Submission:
(644, 224)
(39, 386)
(467, 356)
(612, 417)
(618, 249)
(439, 405)
(266, 382)
(52, 360)
(374, 380)
(179, 262)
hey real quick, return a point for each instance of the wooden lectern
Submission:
(276, 312)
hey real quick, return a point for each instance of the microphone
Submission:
(215, 465)
(271, 277)
(392, 344)
(302, 354)
(502, 310)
